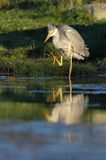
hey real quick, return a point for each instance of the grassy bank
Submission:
(44, 67)
(23, 30)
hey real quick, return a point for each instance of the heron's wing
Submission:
(76, 41)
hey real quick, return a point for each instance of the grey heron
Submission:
(69, 42)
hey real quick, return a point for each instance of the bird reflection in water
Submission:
(70, 108)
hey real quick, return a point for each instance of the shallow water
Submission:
(45, 119)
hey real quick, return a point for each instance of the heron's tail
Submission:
(77, 56)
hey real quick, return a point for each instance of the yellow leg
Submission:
(60, 93)
(54, 60)
(70, 67)
(59, 62)
(70, 87)
(56, 94)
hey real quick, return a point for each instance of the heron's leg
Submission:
(61, 60)
(54, 60)
(60, 63)
(59, 93)
(70, 88)
(70, 67)
(56, 94)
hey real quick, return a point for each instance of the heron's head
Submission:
(51, 31)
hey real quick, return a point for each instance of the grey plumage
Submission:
(68, 41)
(67, 38)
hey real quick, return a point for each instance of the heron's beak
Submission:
(48, 36)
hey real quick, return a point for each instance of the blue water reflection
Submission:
(40, 140)
(41, 119)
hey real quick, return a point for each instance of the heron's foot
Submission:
(60, 63)
(54, 58)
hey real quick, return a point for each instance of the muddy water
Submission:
(46, 119)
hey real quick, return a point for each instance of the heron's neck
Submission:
(56, 38)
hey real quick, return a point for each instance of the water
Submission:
(45, 119)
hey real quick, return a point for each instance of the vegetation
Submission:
(31, 99)
(23, 30)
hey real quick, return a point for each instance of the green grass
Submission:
(44, 67)
(23, 30)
